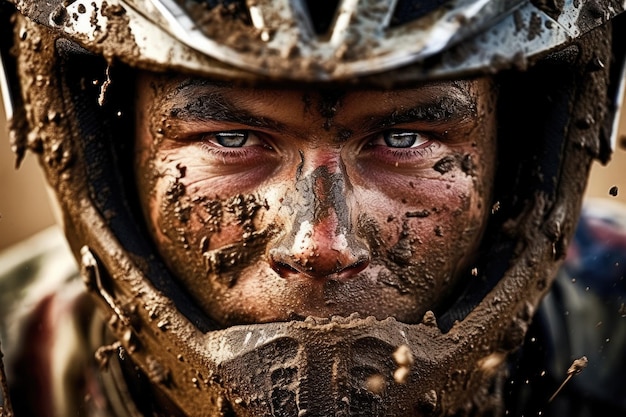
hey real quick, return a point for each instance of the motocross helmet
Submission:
(67, 65)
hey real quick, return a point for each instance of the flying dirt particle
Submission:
(475, 272)
(613, 191)
(495, 207)
(575, 368)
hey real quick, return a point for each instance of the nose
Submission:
(322, 241)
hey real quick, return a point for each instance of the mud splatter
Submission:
(402, 252)
(369, 229)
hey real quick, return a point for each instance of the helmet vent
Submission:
(410, 10)
(322, 14)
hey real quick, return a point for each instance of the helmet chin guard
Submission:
(316, 367)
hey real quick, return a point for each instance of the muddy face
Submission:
(271, 205)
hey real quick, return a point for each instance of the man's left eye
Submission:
(235, 139)
(403, 139)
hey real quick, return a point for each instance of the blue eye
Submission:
(231, 139)
(403, 139)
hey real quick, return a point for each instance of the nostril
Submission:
(356, 267)
(283, 269)
(286, 265)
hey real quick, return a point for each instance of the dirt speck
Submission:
(418, 213)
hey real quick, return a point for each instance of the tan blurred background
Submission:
(24, 207)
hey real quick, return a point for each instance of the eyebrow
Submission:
(441, 110)
(214, 106)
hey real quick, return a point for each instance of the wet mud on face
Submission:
(409, 226)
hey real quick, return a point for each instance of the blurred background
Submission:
(25, 210)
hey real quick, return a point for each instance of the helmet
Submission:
(556, 64)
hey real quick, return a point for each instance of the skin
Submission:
(274, 205)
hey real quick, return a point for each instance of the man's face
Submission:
(273, 205)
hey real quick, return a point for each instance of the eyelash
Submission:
(408, 153)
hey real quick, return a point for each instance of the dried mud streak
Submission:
(118, 39)
(226, 264)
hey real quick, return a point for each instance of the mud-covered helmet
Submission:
(67, 65)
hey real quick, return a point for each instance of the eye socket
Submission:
(403, 139)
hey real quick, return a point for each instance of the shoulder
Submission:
(43, 310)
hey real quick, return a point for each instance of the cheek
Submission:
(188, 199)
(427, 224)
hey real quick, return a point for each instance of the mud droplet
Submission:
(157, 372)
(468, 166)
(401, 374)
(59, 15)
(375, 384)
(585, 122)
(613, 191)
(404, 359)
(596, 64)
(430, 319)
(103, 354)
(444, 165)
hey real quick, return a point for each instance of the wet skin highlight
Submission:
(268, 206)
